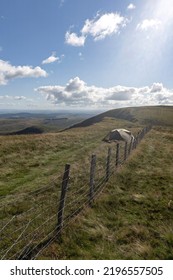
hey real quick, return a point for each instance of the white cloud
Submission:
(157, 87)
(148, 24)
(74, 40)
(8, 72)
(105, 25)
(50, 59)
(77, 93)
(17, 98)
(20, 98)
(131, 6)
(99, 28)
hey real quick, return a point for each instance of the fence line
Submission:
(44, 222)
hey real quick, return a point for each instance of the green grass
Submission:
(29, 160)
(155, 115)
(29, 163)
(131, 219)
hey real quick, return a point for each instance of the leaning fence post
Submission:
(134, 144)
(125, 151)
(92, 175)
(117, 154)
(62, 198)
(130, 146)
(108, 164)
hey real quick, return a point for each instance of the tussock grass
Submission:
(29, 163)
(30, 160)
(132, 218)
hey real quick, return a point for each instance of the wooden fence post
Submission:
(130, 146)
(92, 175)
(108, 164)
(117, 154)
(137, 141)
(125, 151)
(64, 187)
(134, 144)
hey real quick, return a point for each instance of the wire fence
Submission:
(32, 222)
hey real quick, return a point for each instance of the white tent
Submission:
(120, 134)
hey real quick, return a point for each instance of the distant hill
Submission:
(29, 123)
(27, 130)
(155, 115)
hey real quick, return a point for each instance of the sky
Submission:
(85, 55)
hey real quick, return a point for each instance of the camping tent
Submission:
(119, 135)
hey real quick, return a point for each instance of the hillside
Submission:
(28, 130)
(155, 115)
(131, 218)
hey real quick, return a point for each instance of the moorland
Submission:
(132, 216)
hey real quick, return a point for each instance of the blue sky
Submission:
(95, 54)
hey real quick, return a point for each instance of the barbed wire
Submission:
(16, 241)
(24, 214)
(23, 249)
(81, 196)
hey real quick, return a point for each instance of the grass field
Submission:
(146, 115)
(29, 160)
(131, 219)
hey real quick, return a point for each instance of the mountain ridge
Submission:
(156, 115)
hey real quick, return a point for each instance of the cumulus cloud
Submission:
(8, 72)
(74, 40)
(157, 87)
(105, 25)
(77, 93)
(99, 28)
(148, 24)
(131, 6)
(120, 93)
(51, 59)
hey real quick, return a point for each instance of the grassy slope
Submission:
(28, 161)
(132, 219)
(155, 115)
(124, 213)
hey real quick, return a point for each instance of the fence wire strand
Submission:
(76, 201)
